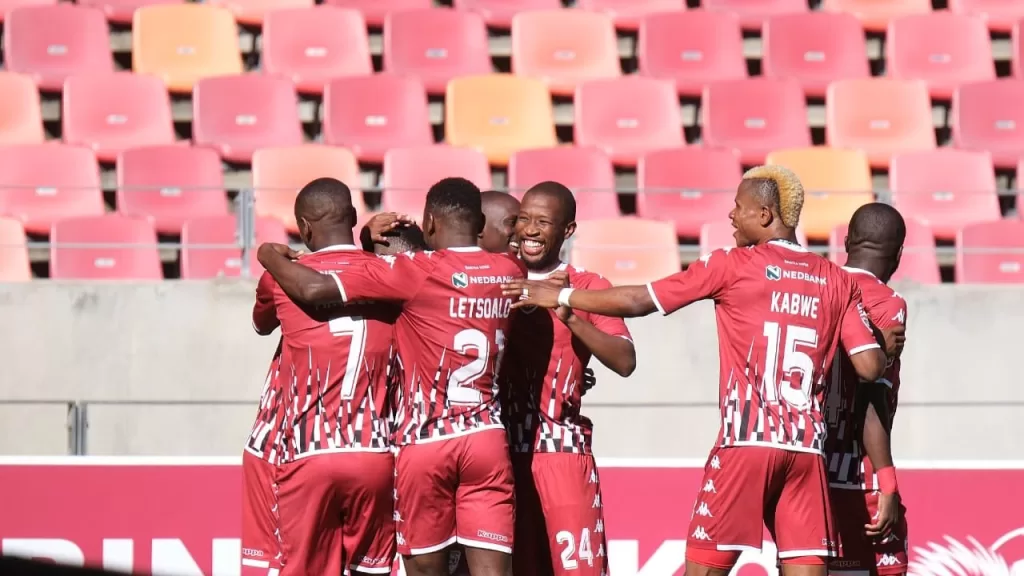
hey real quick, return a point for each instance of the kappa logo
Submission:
(700, 534)
(460, 280)
(703, 510)
(773, 273)
(710, 486)
(888, 560)
(716, 464)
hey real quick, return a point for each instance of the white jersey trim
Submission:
(863, 348)
(370, 569)
(788, 245)
(337, 247)
(799, 553)
(790, 447)
(309, 453)
(341, 287)
(841, 486)
(483, 545)
(884, 381)
(434, 548)
(255, 563)
(465, 249)
(654, 297)
(853, 270)
(530, 275)
(454, 435)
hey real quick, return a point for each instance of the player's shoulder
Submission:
(727, 256)
(507, 263)
(580, 277)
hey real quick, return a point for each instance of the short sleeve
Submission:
(705, 278)
(857, 335)
(890, 313)
(264, 312)
(394, 277)
(607, 324)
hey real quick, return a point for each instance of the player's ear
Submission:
(570, 229)
(896, 264)
(766, 216)
(846, 244)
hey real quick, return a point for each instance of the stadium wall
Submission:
(174, 368)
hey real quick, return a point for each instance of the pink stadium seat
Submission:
(51, 43)
(814, 49)
(410, 172)
(753, 13)
(945, 188)
(564, 48)
(1018, 50)
(690, 186)
(110, 113)
(7, 5)
(692, 48)
(626, 250)
(211, 247)
(719, 234)
(436, 45)
(170, 184)
(1000, 15)
(107, 247)
(875, 15)
(943, 49)
(14, 265)
(991, 253)
(919, 262)
(238, 114)
(21, 114)
(375, 11)
(253, 12)
(499, 13)
(628, 14)
(43, 183)
(121, 11)
(372, 114)
(587, 172)
(314, 45)
(628, 117)
(988, 116)
(755, 116)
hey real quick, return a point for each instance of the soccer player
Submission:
(559, 520)
(864, 491)
(500, 213)
(782, 312)
(454, 476)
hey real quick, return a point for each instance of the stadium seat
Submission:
(692, 48)
(718, 234)
(628, 117)
(587, 172)
(499, 114)
(836, 182)
(689, 186)
(238, 114)
(564, 47)
(753, 13)
(919, 262)
(314, 45)
(999, 15)
(945, 188)
(375, 11)
(253, 12)
(815, 49)
(499, 13)
(988, 116)
(410, 172)
(1018, 50)
(991, 253)
(43, 183)
(627, 14)
(107, 247)
(7, 5)
(881, 116)
(21, 115)
(279, 173)
(121, 11)
(436, 45)
(371, 114)
(50, 43)
(170, 184)
(110, 113)
(626, 250)
(211, 247)
(14, 265)
(876, 14)
(182, 43)
(754, 116)
(945, 50)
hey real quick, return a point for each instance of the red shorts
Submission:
(859, 554)
(745, 485)
(458, 489)
(261, 550)
(559, 516)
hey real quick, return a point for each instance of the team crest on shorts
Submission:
(460, 280)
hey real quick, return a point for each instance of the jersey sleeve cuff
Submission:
(654, 298)
(886, 381)
(863, 348)
(341, 287)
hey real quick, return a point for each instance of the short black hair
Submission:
(457, 200)
(559, 192)
(325, 199)
(877, 226)
(402, 239)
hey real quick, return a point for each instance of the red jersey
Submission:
(848, 466)
(450, 336)
(266, 439)
(543, 373)
(781, 312)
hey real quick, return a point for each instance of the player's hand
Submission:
(271, 249)
(887, 518)
(561, 280)
(532, 293)
(895, 338)
(589, 380)
(385, 222)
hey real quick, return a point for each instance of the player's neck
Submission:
(321, 241)
(869, 264)
(454, 240)
(546, 267)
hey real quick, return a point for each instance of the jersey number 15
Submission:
(795, 362)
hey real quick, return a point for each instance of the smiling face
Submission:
(500, 213)
(542, 228)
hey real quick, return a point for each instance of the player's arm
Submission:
(606, 337)
(264, 312)
(875, 437)
(300, 283)
(858, 338)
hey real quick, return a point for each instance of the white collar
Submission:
(853, 270)
(336, 247)
(789, 245)
(542, 275)
(465, 249)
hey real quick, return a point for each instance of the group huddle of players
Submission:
(425, 395)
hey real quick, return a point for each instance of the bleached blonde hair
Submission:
(788, 187)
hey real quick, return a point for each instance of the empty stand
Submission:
(999, 15)
(881, 116)
(718, 234)
(238, 114)
(688, 186)
(755, 116)
(815, 49)
(182, 43)
(410, 172)
(499, 13)
(372, 114)
(628, 117)
(945, 188)
(499, 114)
(253, 12)
(121, 11)
(43, 183)
(919, 262)
(14, 266)
(211, 247)
(753, 13)
(314, 45)
(436, 46)
(626, 250)
(943, 49)
(991, 253)
(21, 116)
(988, 116)
(170, 184)
(875, 15)
(50, 43)
(375, 11)
(587, 172)
(564, 47)
(107, 247)
(692, 48)
(627, 14)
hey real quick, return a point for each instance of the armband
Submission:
(887, 480)
(563, 297)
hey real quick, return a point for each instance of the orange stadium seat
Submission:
(718, 234)
(238, 114)
(753, 13)
(43, 183)
(121, 11)
(814, 49)
(371, 114)
(436, 46)
(7, 5)
(279, 173)
(498, 114)
(945, 50)
(110, 113)
(626, 250)
(991, 253)
(182, 43)
(692, 48)
(410, 172)
(628, 117)
(21, 115)
(14, 265)
(689, 186)
(754, 116)
(876, 14)
(254, 12)
(50, 43)
(999, 15)
(170, 184)
(945, 188)
(627, 14)
(836, 182)
(499, 13)
(375, 11)
(588, 172)
(919, 262)
(107, 247)
(988, 116)
(564, 47)
(881, 116)
(211, 247)
(314, 45)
